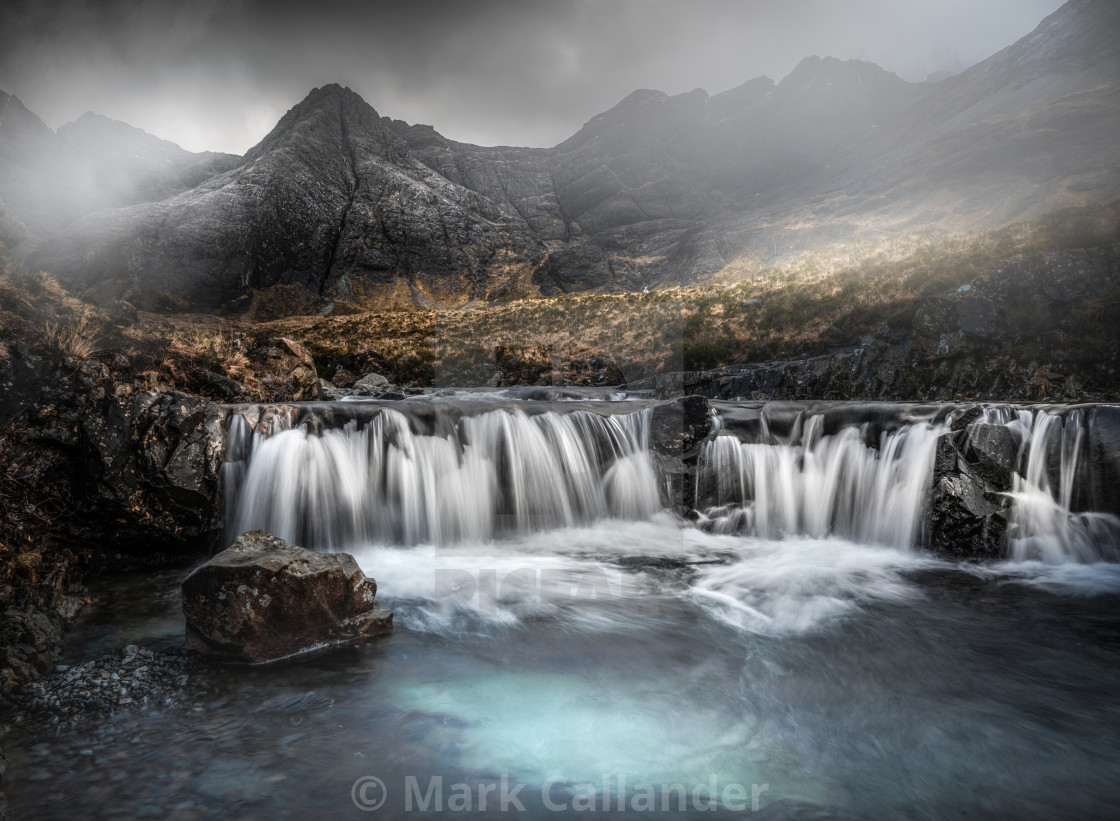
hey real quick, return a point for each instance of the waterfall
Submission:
(458, 471)
(1044, 523)
(382, 481)
(818, 485)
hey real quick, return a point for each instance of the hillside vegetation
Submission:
(806, 305)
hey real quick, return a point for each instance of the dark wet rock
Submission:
(1104, 457)
(961, 421)
(36, 616)
(116, 476)
(154, 461)
(226, 388)
(342, 378)
(286, 368)
(678, 426)
(992, 452)
(262, 599)
(969, 507)
(141, 464)
(677, 429)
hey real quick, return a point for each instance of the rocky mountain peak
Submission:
(635, 114)
(1080, 36)
(95, 136)
(19, 126)
(338, 201)
(821, 74)
(334, 116)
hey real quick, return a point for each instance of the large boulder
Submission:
(263, 599)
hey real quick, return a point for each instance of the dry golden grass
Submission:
(746, 313)
(73, 337)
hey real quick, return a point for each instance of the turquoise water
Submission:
(598, 666)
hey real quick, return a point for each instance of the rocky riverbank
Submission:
(119, 682)
(78, 697)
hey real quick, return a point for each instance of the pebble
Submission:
(113, 684)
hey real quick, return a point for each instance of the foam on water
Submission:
(800, 585)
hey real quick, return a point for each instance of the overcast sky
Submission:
(218, 74)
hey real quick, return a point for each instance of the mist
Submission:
(218, 75)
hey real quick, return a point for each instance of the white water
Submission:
(1044, 525)
(572, 632)
(581, 576)
(820, 485)
(498, 472)
(502, 474)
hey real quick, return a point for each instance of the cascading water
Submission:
(818, 485)
(498, 471)
(1044, 524)
(385, 478)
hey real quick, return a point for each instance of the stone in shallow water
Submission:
(262, 599)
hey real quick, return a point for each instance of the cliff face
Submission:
(339, 200)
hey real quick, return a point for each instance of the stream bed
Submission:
(601, 667)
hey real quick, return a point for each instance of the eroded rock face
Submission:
(142, 465)
(263, 599)
(677, 430)
(1104, 456)
(973, 473)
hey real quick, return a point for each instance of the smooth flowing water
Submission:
(796, 655)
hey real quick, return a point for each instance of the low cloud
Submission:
(217, 75)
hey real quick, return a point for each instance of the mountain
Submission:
(338, 201)
(329, 196)
(50, 179)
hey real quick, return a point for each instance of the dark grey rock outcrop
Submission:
(972, 475)
(1104, 457)
(262, 599)
(144, 464)
(677, 429)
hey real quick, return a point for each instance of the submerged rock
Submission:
(115, 683)
(263, 599)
